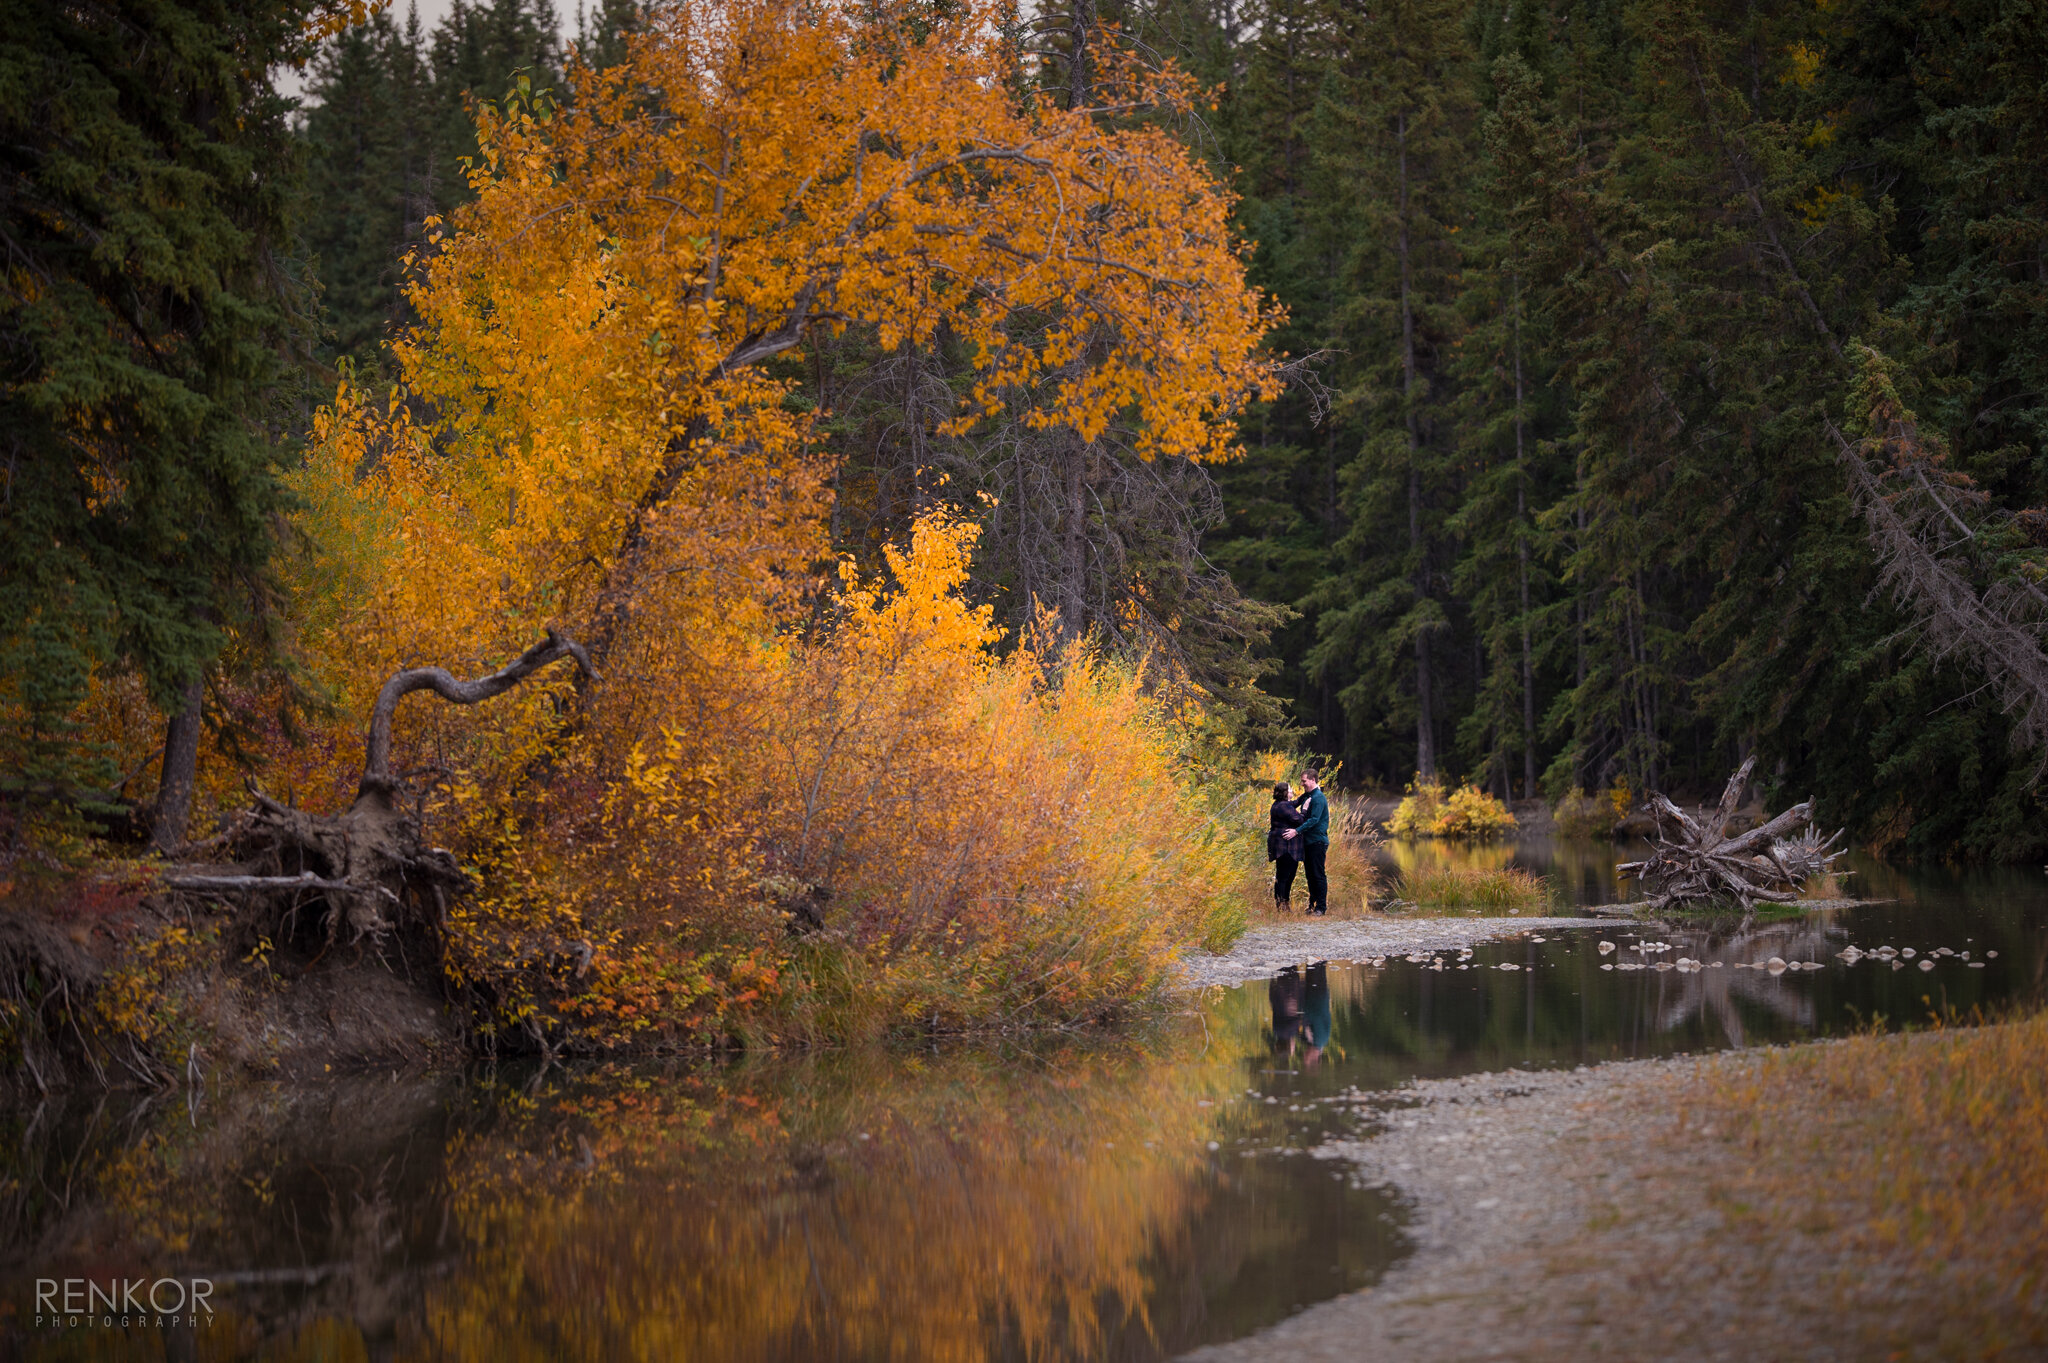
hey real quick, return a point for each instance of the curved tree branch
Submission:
(377, 758)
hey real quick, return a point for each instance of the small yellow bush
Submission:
(1416, 815)
(1472, 813)
(1467, 812)
(1580, 815)
(1620, 798)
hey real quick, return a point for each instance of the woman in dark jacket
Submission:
(1284, 853)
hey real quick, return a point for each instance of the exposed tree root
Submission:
(366, 872)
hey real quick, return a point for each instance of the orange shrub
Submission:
(999, 837)
(585, 435)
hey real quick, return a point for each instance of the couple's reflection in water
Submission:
(1301, 1013)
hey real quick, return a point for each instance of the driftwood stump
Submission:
(1695, 863)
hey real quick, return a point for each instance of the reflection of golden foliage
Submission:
(659, 1230)
(955, 1205)
(1423, 858)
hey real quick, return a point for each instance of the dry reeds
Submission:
(1486, 890)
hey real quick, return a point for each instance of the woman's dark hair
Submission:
(1279, 790)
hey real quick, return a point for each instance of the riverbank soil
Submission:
(1875, 1198)
(162, 994)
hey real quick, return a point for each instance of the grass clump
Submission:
(1489, 890)
(1429, 811)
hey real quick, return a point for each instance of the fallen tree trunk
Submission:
(1698, 863)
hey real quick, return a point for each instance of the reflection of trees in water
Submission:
(302, 1207)
(1040, 1204)
(1580, 871)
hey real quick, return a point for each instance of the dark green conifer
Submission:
(148, 321)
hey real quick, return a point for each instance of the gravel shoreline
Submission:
(1495, 1170)
(1266, 950)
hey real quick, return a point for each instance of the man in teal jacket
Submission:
(1314, 836)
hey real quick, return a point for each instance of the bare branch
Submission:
(1938, 587)
(377, 758)
(305, 880)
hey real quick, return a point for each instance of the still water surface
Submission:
(1126, 1197)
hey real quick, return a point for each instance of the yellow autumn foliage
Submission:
(1429, 811)
(794, 799)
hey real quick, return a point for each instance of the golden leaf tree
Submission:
(597, 431)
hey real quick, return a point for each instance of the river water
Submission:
(1127, 1196)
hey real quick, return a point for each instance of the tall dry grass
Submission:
(1923, 1162)
(1485, 890)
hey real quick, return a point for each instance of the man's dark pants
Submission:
(1312, 855)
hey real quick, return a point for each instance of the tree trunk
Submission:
(1425, 720)
(1522, 554)
(173, 813)
(1080, 72)
(1074, 546)
(1579, 632)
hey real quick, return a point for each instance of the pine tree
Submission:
(1398, 126)
(146, 324)
(389, 130)
(365, 136)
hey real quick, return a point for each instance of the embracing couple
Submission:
(1299, 835)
